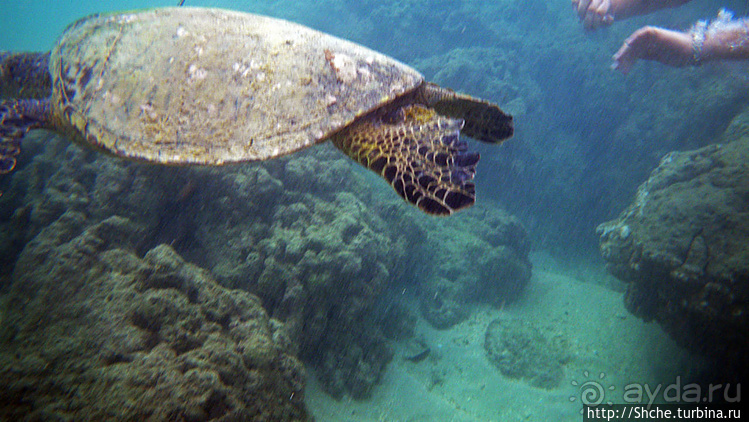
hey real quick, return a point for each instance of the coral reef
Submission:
(289, 231)
(55, 176)
(489, 242)
(352, 361)
(93, 332)
(682, 248)
(292, 232)
(521, 349)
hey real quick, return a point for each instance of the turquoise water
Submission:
(371, 269)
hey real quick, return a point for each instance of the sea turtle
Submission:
(212, 86)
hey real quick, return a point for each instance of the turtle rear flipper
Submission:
(9, 149)
(16, 118)
(24, 75)
(484, 120)
(419, 154)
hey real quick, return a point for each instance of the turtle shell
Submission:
(210, 86)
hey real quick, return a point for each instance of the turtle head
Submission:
(484, 120)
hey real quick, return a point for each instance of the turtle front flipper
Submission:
(419, 153)
(484, 120)
(16, 118)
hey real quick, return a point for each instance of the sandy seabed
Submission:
(609, 349)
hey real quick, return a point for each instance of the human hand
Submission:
(671, 48)
(594, 13)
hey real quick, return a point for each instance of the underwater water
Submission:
(302, 287)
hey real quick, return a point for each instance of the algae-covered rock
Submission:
(352, 362)
(93, 332)
(683, 248)
(297, 233)
(481, 259)
(523, 350)
(62, 177)
(397, 321)
(291, 231)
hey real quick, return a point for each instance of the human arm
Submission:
(597, 13)
(724, 39)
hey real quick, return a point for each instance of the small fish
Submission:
(418, 357)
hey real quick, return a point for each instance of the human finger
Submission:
(604, 12)
(633, 48)
(592, 20)
(582, 8)
(623, 59)
(595, 21)
(597, 14)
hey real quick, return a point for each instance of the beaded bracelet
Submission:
(698, 41)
